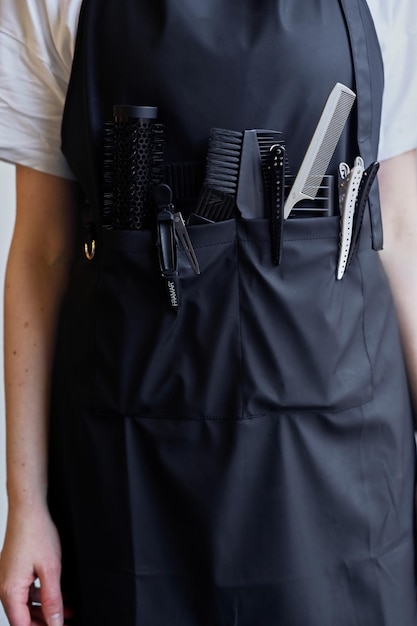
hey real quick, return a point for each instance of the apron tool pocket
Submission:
(302, 331)
(157, 362)
(250, 338)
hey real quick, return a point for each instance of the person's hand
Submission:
(31, 551)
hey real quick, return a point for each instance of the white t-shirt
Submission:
(37, 40)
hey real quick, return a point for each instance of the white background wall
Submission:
(7, 204)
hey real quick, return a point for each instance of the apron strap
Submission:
(369, 77)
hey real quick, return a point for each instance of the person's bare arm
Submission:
(398, 189)
(36, 277)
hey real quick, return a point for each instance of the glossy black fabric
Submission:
(250, 459)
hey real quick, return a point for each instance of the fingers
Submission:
(51, 597)
(15, 603)
(31, 549)
(39, 606)
(35, 607)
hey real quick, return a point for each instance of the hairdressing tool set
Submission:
(237, 178)
(246, 176)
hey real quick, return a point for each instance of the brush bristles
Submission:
(217, 198)
(133, 165)
(223, 159)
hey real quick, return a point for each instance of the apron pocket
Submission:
(250, 338)
(302, 331)
(152, 360)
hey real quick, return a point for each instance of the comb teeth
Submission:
(322, 146)
(328, 146)
(266, 139)
(185, 180)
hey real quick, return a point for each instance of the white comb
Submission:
(322, 146)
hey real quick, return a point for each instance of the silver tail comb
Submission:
(322, 146)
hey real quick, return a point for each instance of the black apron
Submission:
(250, 458)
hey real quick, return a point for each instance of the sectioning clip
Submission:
(167, 243)
(183, 236)
(361, 203)
(347, 214)
(276, 217)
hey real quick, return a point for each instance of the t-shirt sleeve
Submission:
(396, 26)
(36, 48)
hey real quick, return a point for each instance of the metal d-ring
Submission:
(90, 249)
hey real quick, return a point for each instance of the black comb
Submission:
(254, 187)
